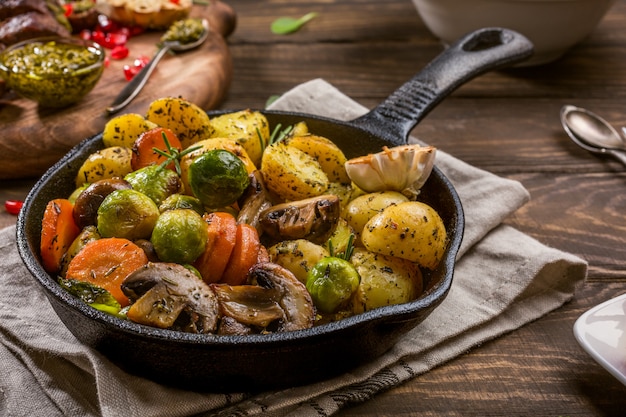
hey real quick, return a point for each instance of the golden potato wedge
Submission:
(299, 129)
(385, 280)
(298, 256)
(362, 208)
(123, 130)
(106, 163)
(340, 238)
(292, 174)
(249, 128)
(190, 123)
(326, 153)
(412, 231)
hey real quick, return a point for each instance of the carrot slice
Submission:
(245, 254)
(222, 228)
(58, 231)
(143, 148)
(106, 263)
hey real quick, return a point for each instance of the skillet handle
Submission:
(479, 52)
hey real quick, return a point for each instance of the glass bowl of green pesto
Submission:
(54, 71)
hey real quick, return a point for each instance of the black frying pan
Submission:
(219, 363)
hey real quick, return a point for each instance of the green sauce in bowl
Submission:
(55, 72)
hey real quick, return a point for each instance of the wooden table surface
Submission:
(504, 122)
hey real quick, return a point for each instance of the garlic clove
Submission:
(402, 168)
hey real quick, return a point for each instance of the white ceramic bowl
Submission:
(554, 26)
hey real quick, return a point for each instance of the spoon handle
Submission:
(618, 155)
(135, 85)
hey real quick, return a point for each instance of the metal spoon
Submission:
(593, 133)
(136, 84)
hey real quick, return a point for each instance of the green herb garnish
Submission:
(172, 154)
(286, 25)
(345, 255)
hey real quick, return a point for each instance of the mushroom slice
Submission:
(313, 219)
(254, 200)
(292, 295)
(168, 295)
(228, 326)
(250, 305)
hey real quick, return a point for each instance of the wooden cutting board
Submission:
(32, 138)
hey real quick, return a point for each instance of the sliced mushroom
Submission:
(253, 201)
(230, 326)
(291, 294)
(313, 219)
(249, 305)
(168, 295)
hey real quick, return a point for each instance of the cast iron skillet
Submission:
(221, 363)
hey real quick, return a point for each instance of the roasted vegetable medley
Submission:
(226, 225)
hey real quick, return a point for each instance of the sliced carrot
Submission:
(106, 263)
(245, 254)
(222, 228)
(143, 148)
(58, 231)
(263, 256)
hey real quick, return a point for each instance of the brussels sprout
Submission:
(88, 234)
(182, 201)
(331, 282)
(154, 181)
(218, 178)
(128, 214)
(97, 297)
(77, 192)
(179, 236)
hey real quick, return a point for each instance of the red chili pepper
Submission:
(13, 206)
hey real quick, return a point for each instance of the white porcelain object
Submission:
(601, 331)
(554, 26)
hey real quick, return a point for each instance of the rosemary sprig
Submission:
(276, 136)
(173, 154)
(346, 254)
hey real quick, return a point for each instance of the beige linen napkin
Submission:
(503, 280)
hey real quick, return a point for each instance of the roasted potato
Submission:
(340, 237)
(412, 231)
(190, 123)
(326, 153)
(123, 130)
(106, 163)
(345, 192)
(385, 280)
(249, 128)
(298, 256)
(362, 208)
(292, 174)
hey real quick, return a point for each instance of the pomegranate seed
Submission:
(13, 206)
(117, 39)
(141, 61)
(105, 23)
(85, 34)
(98, 36)
(119, 52)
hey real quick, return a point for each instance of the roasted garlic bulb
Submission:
(402, 168)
